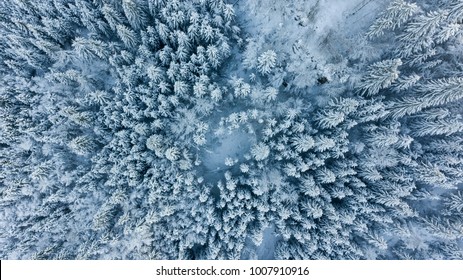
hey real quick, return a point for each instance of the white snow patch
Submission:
(230, 145)
(266, 249)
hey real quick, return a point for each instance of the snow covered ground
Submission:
(315, 40)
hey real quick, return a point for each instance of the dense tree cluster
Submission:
(118, 120)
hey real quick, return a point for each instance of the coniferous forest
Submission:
(231, 129)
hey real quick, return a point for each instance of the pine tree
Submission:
(431, 94)
(82, 145)
(134, 12)
(395, 15)
(419, 34)
(437, 127)
(128, 36)
(380, 75)
(260, 151)
(266, 62)
(455, 202)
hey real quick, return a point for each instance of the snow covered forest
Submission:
(231, 129)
